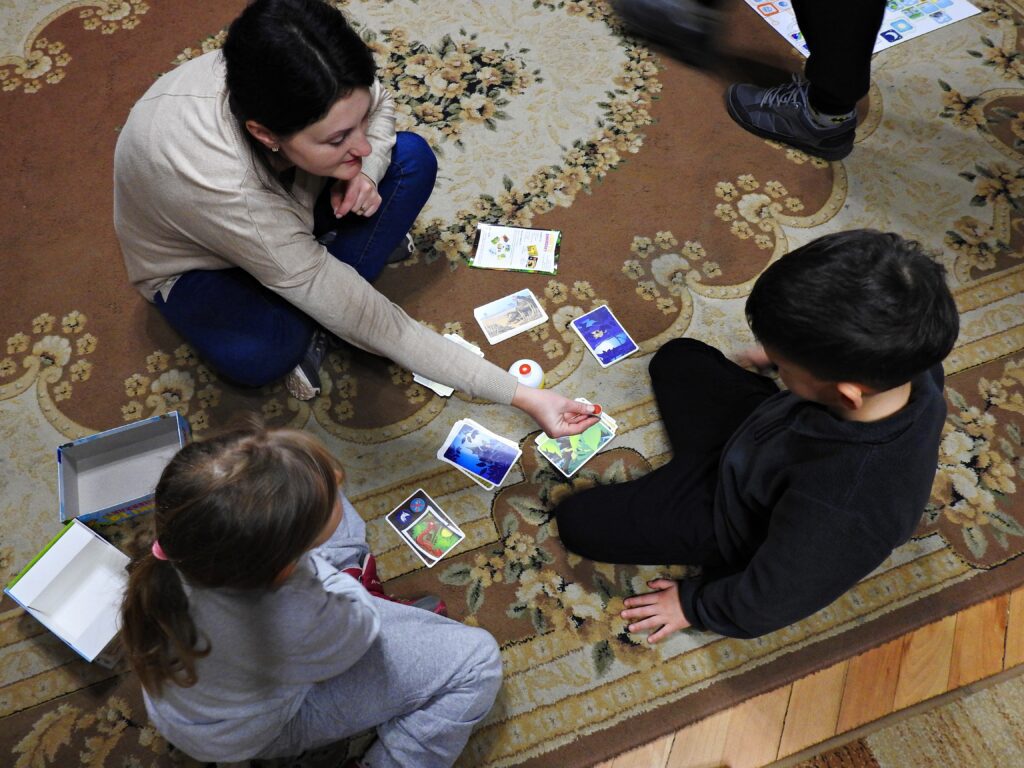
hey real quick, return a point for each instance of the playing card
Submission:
(570, 453)
(424, 526)
(443, 389)
(604, 336)
(504, 318)
(480, 453)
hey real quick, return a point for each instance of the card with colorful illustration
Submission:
(604, 336)
(518, 249)
(424, 526)
(483, 455)
(570, 453)
(510, 315)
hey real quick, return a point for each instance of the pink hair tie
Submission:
(158, 551)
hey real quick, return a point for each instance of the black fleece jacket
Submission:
(807, 504)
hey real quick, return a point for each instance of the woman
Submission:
(259, 188)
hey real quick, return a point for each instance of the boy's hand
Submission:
(753, 357)
(658, 610)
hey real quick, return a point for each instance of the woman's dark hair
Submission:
(232, 511)
(289, 61)
(863, 306)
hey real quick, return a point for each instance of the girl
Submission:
(252, 638)
(259, 188)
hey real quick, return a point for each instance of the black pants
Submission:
(665, 517)
(840, 37)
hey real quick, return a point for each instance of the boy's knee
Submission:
(679, 356)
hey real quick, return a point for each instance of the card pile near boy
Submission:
(570, 453)
(443, 389)
(424, 526)
(482, 455)
(604, 336)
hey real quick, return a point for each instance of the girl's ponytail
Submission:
(231, 512)
(160, 638)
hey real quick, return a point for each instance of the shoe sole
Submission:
(299, 387)
(825, 154)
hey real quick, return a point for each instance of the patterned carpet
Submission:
(541, 113)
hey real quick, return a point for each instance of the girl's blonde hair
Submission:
(232, 511)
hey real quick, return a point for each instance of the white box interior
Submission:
(75, 589)
(117, 468)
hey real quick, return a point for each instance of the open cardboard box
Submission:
(74, 588)
(75, 585)
(110, 476)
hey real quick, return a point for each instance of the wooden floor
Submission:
(976, 643)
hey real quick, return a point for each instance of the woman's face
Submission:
(335, 145)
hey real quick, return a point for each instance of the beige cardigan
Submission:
(190, 193)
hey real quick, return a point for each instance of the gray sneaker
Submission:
(686, 27)
(303, 383)
(783, 114)
(403, 250)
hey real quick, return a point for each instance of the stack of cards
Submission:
(604, 336)
(515, 313)
(442, 389)
(570, 453)
(479, 453)
(516, 248)
(424, 526)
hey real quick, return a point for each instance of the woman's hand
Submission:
(358, 195)
(557, 415)
(659, 611)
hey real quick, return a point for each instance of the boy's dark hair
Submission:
(863, 306)
(289, 61)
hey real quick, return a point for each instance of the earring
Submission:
(275, 148)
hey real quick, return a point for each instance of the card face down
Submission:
(478, 452)
(604, 336)
(423, 525)
(510, 315)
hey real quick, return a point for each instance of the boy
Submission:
(787, 499)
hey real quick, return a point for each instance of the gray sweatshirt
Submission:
(267, 650)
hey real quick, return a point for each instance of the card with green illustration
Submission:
(570, 453)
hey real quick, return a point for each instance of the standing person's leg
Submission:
(366, 243)
(689, 28)
(247, 333)
(818, 116)
(424, 683)
(665, 516)
(841, 38)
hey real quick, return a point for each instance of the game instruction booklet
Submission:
(516, 249)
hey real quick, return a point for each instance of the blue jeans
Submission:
(252, 336)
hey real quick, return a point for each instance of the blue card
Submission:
(604, 336)
(480, 453)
